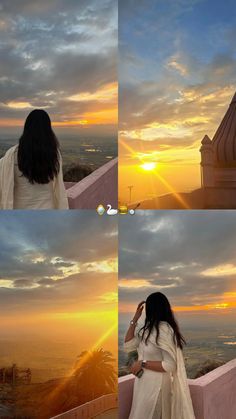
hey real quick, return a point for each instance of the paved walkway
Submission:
(110, 414)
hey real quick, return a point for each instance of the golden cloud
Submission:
(226, 269)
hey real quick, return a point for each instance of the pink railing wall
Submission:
(213, 395)
(91, 409)
(100, 187)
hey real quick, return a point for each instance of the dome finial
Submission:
(206, 140)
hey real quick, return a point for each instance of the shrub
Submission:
(77, 172)
(207, 367)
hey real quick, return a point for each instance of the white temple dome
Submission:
(224, 140)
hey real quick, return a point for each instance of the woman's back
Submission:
(28, 195)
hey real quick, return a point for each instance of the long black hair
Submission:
(38, 150)
(158, 310)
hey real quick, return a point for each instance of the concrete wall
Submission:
(213, 394)
(100, 187)
(125, 391)
(69, 185)
(225, 177)
(220, 198)
(91, 409)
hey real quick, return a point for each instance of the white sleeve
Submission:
(61, 201)
(168, 363)
(131, 345)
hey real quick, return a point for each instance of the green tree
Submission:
(95, 373)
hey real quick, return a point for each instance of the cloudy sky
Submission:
(177, 77)
(60, 56)
(189, 256)
(58, 274)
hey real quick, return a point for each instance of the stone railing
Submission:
(91, 409)
(100, 187)
(213, 394)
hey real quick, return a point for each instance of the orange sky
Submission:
(175, 87)
(223, 304)
(101, 109)
(59, 278)
(172, 148)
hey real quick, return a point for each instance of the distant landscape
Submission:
(54, 388)
(206, 344)
(87, 151)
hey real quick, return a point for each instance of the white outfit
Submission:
(16, 192)
(160, 395)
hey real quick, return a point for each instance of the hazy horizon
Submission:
(204, 345)
(92, 151)
(58, 290)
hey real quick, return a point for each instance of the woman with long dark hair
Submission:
(160, 389)
(31, 172)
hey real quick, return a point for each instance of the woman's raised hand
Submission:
(139, 311)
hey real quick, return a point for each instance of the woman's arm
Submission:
(166, 365)
(131, 330)
(154, 366)
(149, 365)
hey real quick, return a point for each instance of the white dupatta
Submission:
(181, 403)
(7, 183)
(7, 179)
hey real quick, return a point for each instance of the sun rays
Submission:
(113, 329)
(149, 166)
(153, 172)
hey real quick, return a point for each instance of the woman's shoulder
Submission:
(9, 155)
(11, 151)
(165, 327)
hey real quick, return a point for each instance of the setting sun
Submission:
(149, 166)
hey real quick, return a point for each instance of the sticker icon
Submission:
(111, 211)
(123, 209)
(100, 209)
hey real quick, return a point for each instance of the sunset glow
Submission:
(19, 105)
(58, 294)
(225, 269)
(107, 94)
(148, 166)
(61, 292)
(172, 92)
(214, 308)
(74, 78)
(183, 255)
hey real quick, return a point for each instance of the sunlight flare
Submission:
(85, 358)
(169, 187)
(149, 166)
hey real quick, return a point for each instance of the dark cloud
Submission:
(45, 259)
(171, 251)
(74, 293)
(51, 50)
